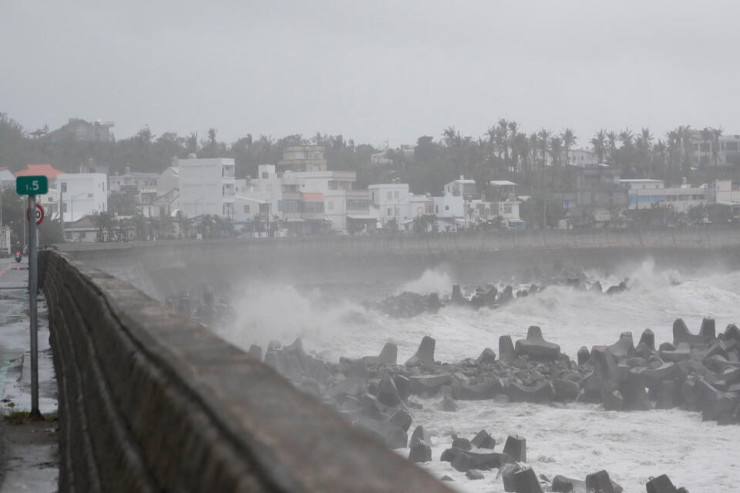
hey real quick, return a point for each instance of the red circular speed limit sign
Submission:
(39, 214)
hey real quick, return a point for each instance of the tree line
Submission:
(537, 161)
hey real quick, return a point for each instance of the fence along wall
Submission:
(149, 401)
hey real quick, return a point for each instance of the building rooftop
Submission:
(46, 170)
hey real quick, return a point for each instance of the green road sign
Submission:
(31, 185)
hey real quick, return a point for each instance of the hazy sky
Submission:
(371, 70)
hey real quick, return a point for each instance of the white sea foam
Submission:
(432, 281)
(574, 441)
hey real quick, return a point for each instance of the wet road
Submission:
(28, 452)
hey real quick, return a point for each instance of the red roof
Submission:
(313, 196)
(46, 170)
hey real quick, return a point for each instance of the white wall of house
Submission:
(333, 185)
(246, 209)
(207, 186)
(643, 193)
(82, 194)
(684, 198)
(582, 158)
(724, 193)
(390, 201)
(50, 203)
(449, 206)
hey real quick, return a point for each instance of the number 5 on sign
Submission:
(31, 185)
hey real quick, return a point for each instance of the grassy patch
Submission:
(16, 417)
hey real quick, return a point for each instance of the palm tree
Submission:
(569, 140)
(543, 142)
(556, 150)
(599, 144)
(706, 136)
(611, 138)
(644, 146)
(451, 137)
(716, 134)
(503, 132)
(685, 136)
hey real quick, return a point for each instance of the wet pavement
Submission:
(28, 451)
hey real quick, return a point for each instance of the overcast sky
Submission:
(371, 70)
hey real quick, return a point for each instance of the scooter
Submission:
(18, 257)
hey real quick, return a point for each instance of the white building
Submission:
(332, 188)
(724, 193)
(7, 179)
(684, 197)
(582, 158)
(82, 194)
(168, 191)
(389, 201)
(643, 193)
(207, 186)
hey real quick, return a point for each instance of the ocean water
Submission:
(572, 440)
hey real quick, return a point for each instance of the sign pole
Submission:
(33, 291)
(33, 186)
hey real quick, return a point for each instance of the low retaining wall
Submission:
(165, 268)
(149, 401)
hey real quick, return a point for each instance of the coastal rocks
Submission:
(516, 448)
(600, 481)
(661, 484)
(681, 333)
(483, 440)
(536, 347)
(476, 392)
(388, 356)
(425, 354)
(562, 484)
(525, 481)
(463, 460)
(407, 305)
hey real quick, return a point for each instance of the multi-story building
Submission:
(643, 193)
(82, 194)
(722, 151)
(303, 190)
(598, 195)
(168, 191)
(139, 188)
(303, 158)
(582, 158)
(207, 186)
(80, 130)
(390, 201)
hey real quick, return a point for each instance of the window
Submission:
(389, 212)
(246, 209)
(447, 207)
(389, 195)
(507, 208)
(395, 195)
(64, 187)
(265, 175)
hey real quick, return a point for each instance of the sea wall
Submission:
(149, 401)
(164, 268)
